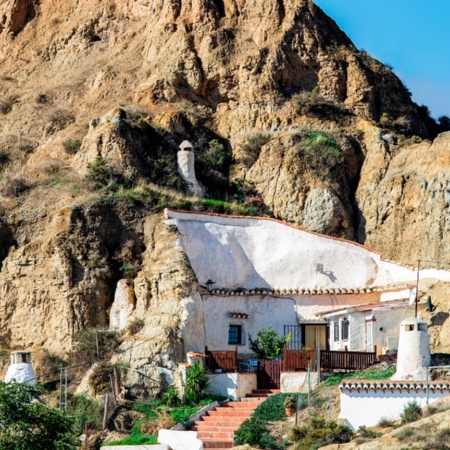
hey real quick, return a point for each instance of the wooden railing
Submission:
(295, 360)
(225, 360)
(346, 360)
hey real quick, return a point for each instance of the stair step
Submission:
(215, 428)
(229, 412)
(218, 435)
(221, 422)
(217, 443)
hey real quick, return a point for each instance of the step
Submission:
(218, 435)
(218, 443)
(239, 405)
(215, 428)
(220, 422)
(230, 412)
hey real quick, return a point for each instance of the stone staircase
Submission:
(216, 429)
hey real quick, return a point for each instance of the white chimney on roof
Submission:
(20, 369)
(413, 356)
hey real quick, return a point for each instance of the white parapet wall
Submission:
(180, 440)
(365, 403)
(233, 385)
(297, 381)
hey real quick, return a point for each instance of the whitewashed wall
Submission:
(248, 253)
(388, 319)
(264, 311)
(232, 385)
(368, 407)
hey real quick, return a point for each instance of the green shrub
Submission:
(368, 434)
(385, 423)
(171, 397)
(250, 432)
(72, 146)
(4, 157)
(319, 432)
(252, 148)
(216, 156)
(98, 171)
(85, 411)
(385, 120)
(322, 154)
(182, 414)
(406, 433)
(411, 412)
(268, 344)
(443, 434)
(197, 381)
(273, 407)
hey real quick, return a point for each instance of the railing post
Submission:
(375, 351)
(345, 357)
(236, 358)
(318, 363)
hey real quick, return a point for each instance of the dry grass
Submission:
(162, 421)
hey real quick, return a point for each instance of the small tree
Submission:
(268, 344)
(28, 424)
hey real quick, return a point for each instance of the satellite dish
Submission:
(412, 297)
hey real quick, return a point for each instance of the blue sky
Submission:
(413, 36)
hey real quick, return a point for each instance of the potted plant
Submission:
(290, 405)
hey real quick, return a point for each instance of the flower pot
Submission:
(289, 411)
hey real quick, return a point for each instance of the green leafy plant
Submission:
(171, 397)
(319, 432)
(411, 412)
(85, 411)
(268, 344)
(98, 171)
(250, 432)
(290, 401)
(197, 381)
(405, 434)
(29, 424)
(216, 156)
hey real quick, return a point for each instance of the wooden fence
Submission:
(225, 360)
(296, 360)
(346, 360)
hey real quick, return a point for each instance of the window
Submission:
(336, 331)
(235, 334)
(344, 329)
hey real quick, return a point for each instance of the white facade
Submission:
(378, 327)
(367, 402)
(262, 311)
(413, 350)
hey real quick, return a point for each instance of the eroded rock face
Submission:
(404, 200)
(14, 15)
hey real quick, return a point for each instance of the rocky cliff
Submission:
(283, 112)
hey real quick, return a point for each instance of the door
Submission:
(268, 374)
(314, 334)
